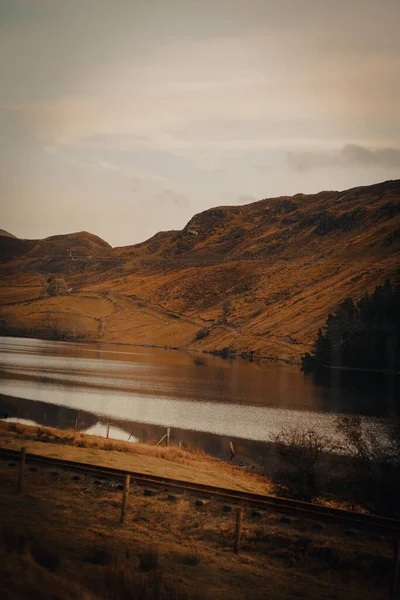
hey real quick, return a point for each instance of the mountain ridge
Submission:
(255, 278)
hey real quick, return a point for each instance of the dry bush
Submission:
(299, 450)
(373, 472)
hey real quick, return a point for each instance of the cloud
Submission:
(383, 157)
(351, 155)
(100, 163)
(170, 197)
(144, 106)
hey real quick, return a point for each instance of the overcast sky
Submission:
(126, 117)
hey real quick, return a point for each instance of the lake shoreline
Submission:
(246, 356)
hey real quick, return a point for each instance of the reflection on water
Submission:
(110, 431)
(185, 391)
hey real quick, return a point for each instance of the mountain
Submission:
(260, 277)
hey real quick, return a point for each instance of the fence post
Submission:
(238, 531)
(21, 469)
(168, 435)
(395, 581)
(76, 425)
(108, 430)
(125, 497)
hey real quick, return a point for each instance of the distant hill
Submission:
(256, 278)
(6, 233)
(82, 243)
(54, 247)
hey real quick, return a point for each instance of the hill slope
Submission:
(5, 233)
(260, 277)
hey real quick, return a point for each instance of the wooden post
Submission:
(168, 435)
(108, 430)
(76, 425)
(125, 498)
(141, 436)
(162, 439)
(395, 581)
(21, 469)
(238, 531)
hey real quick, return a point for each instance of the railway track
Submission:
(389, 528)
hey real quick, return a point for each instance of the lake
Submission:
(205, 400)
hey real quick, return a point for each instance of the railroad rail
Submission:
(383, 526)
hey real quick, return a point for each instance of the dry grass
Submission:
(171, 551)
(190, 464)
(82, 440)
(192, 556)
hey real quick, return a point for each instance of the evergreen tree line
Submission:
(365, 334)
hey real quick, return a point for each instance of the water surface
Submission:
(134, 388)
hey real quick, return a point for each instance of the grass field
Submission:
(61, 537)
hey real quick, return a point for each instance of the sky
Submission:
(127, 117)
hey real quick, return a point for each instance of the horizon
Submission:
(128, 119)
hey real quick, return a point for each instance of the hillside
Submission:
(5, 233)
(260, 277)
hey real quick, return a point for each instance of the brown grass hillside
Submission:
(260, 277)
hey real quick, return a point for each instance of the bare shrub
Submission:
(373, 473)
(299, 450)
